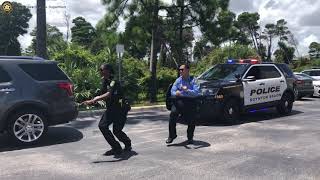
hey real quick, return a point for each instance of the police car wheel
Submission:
(285, 105)
(231, 112)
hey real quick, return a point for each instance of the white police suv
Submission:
(245, 86)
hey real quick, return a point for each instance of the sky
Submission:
(301, 15)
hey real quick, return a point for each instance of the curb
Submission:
(99, 112)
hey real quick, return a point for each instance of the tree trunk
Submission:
(153, 55)
(41, 37)
(67, 23)
(162, 56)
(269, 49)
(180, 47)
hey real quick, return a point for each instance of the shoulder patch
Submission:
(112, 83)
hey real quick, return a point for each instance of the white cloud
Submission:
(308, 40)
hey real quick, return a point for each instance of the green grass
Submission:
(147, 103)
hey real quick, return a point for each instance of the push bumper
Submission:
(206, 106)
(316, 91)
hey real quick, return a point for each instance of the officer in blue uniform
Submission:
(111, 92)
(183, 92)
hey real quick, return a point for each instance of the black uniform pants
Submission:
(118, 119)
(186, 108)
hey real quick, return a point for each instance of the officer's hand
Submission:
(88, 102)
(184, 88)
(178, 93)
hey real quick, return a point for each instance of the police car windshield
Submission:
(224, 72)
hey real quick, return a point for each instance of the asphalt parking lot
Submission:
(264, 146)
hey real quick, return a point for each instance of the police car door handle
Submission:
(282, 81)
(261, 84)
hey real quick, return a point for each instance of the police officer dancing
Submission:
(111, 92)
(182, 90)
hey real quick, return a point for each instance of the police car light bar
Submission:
(232, 61)
(242, 61)
(249, 61)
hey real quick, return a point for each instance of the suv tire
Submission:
(296, 93)
(28, 126)
(231, 112)
(285, 105)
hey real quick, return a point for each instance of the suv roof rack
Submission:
(21, 57)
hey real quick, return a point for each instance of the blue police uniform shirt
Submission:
(193, 88)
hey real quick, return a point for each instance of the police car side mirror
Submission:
(238, 77)
(249, 78)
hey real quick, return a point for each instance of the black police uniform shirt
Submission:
(113, 87)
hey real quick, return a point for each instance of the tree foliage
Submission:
(55, 41)
(248, 24)
(220, 55)
(314, 50)
(12, 25)
(82, 32)
(284, 54)
(137, 35)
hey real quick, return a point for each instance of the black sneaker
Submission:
(127, 148)
(170, 139)
(118, 152)
(190, 141)
(112, 152)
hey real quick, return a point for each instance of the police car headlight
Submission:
(317, 86)
(209, 92)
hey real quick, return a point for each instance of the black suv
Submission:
(244, 86)
(34, 94)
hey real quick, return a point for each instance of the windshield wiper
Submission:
(212, 78)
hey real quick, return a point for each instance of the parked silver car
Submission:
(315, 82)
(303, 85)
(315, 73)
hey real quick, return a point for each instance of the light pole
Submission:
(120, 51)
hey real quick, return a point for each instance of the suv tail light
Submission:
(67, 87)
(299, 81)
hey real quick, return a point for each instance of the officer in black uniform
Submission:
(112, 93)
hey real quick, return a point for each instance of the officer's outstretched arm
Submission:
(101, 97)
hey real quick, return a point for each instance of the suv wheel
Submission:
(285, 105)
(28, 126)
(296, 92)
(231, 112)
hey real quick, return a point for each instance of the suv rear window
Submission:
(4, 76)
(44, 72)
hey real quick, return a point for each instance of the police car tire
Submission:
(231, 112)
(285, 105)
